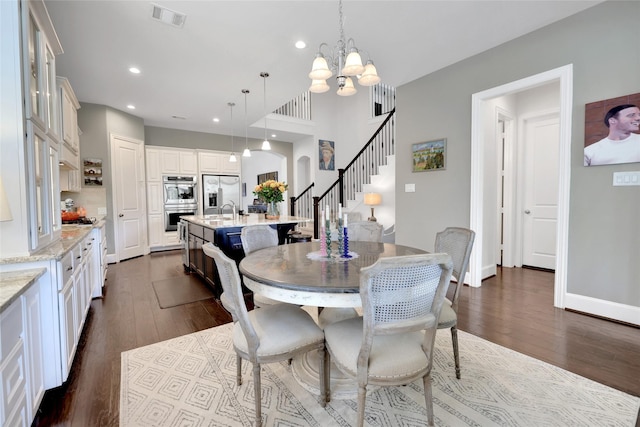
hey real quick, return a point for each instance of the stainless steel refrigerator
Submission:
(220, 192)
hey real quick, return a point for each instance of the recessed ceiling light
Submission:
(273, 135)
(216, 120)
(300, 44)
(131, 107)
(134, 70)
(179, 117)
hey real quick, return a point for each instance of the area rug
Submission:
(190, 381)
(180, 290)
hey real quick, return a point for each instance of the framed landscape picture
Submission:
(92, 171)
(430, 155)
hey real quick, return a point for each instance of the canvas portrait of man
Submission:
(612, 131)
(326, 155)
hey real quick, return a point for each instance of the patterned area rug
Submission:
(190, 381)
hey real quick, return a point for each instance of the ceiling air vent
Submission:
(167, 16)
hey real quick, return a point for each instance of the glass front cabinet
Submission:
(43, 123)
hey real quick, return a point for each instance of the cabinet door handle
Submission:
(78, 257)
(120, 215)
(69, 268)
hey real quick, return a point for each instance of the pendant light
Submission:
(266, 146)
(232, 157)
(246, 152)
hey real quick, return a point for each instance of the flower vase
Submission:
(273, 210)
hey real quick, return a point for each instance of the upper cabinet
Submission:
(42, 46)
(217, 163)
(69, 107)
(178, 162)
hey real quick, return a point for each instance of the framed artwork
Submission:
(611, 131)
(92, 172)
(430, 155)
(326, 155)
(267, 176)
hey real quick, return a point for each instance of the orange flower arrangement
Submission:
(270, 191)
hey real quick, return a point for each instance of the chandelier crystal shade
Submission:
(345, 61)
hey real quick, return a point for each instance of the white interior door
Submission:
(540, 201)
(130, 225)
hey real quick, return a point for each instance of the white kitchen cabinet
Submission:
(69, 107)
(217, 163)
(210, 162)
(155, 198)
(43, 191)
(99, 261)
(34, 348)
(178, 162)
(70, 180)
(156, 231)
(153, 165)
(13, 376)
(188, 163)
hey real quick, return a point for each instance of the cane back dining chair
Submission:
(457, 242)
(255, 237)
(265, 335)
(392, 343)
(365, 231)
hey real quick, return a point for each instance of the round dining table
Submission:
(297, 273)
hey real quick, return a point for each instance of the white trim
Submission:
(565, 76)
(611, 310)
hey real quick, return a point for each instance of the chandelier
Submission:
(345, 61)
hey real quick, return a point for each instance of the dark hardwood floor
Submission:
(514, 309)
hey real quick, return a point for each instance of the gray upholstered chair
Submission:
(458, 243)
(255, 237)
(365, 231)
(392, 343)
(265, 335)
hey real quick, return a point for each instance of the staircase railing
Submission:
(302, 205)
(357, 173)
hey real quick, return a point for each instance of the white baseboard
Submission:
(611, 310)
(112, 258)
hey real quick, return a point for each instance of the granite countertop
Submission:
(228, 221)
(14, 283)
(70, 236)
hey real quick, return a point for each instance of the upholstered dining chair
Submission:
(392, 343)
(457, 242)
(365, 231)
(268, 334)
(255, 237)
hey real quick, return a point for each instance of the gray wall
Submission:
(97, 123)
(604, 228)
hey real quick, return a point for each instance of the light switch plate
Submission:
(626, 178)
(409, 188)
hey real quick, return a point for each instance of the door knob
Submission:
(527, 211)
(121, 215)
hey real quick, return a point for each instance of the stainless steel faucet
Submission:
(233, 208)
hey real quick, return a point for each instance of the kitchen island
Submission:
(224, 231)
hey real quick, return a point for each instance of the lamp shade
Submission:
(320, 70)
(246, 153)
(266, 146)
(369, 76)
(232, 158)
(372, 199)
(353, 64)
(348, 89)
(319, 86)
(5, 209)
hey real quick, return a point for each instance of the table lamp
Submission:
(372, 199)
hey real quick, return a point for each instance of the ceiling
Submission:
(194, 71)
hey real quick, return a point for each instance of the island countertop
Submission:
(228, 221)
